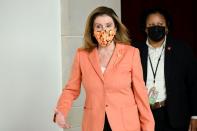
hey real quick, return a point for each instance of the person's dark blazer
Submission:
(180, 71)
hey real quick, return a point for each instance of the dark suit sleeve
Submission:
(191, 80)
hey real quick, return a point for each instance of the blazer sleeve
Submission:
(72, 88)
(140, 93)
(191, 79)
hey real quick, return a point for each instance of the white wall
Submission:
(30, 64)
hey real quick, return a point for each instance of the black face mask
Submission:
(156, 33)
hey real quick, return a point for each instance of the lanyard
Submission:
(155, 72)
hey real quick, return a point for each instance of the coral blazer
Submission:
(120, 92)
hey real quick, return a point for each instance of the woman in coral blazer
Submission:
(111, 74)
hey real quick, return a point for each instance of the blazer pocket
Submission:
(86, 115)
(87, 108)
(131, 118)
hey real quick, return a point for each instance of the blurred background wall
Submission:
(30, 64)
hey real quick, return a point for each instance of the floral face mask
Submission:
(105, 37)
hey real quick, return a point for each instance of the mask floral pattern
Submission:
(105, 37)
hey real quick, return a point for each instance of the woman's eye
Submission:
(109, 25)
(98, 26)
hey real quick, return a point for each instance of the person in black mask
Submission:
(170, 74)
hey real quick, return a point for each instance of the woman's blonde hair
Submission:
(89, 41)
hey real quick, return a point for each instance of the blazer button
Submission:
(106, 105)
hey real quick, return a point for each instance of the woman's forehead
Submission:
(156, 17)
(103, 19)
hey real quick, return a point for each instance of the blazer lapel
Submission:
(94, 60)
(168, 62)
(116, 57)
(144, 56)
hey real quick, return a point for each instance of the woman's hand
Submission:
(61, 121)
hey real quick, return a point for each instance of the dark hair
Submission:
(161, 11)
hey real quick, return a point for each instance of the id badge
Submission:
(153, 94)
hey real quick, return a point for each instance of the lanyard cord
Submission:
(155, 72)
